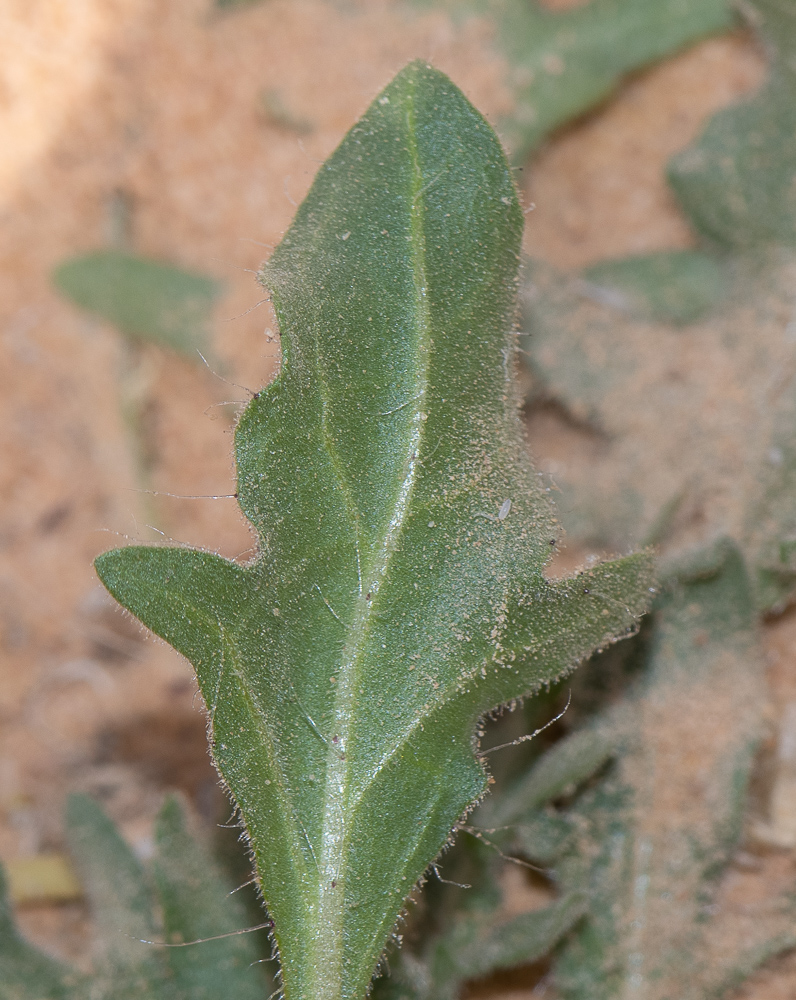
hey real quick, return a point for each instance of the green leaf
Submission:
(25, 972)
(701, 418)
(131, 961)
(567, 765)
(678, 287)
(655, 835)
(714, 434)
(573, 61)
(478, 947)
(121, 907)
(737, 182)
(463, 930)
(692, 434)
(147, 300)
(564, 64)
(399, 589)
(197, 905)
(544, 837)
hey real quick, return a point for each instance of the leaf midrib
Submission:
(337, 811)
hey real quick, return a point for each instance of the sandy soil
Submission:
(164, 104)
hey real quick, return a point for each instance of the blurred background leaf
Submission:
(563, 64)
(189, 900)
(146, 300)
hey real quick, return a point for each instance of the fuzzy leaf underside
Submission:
(678, 410)
(398, 593)
(693, 422)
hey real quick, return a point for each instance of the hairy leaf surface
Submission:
(398, 592)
